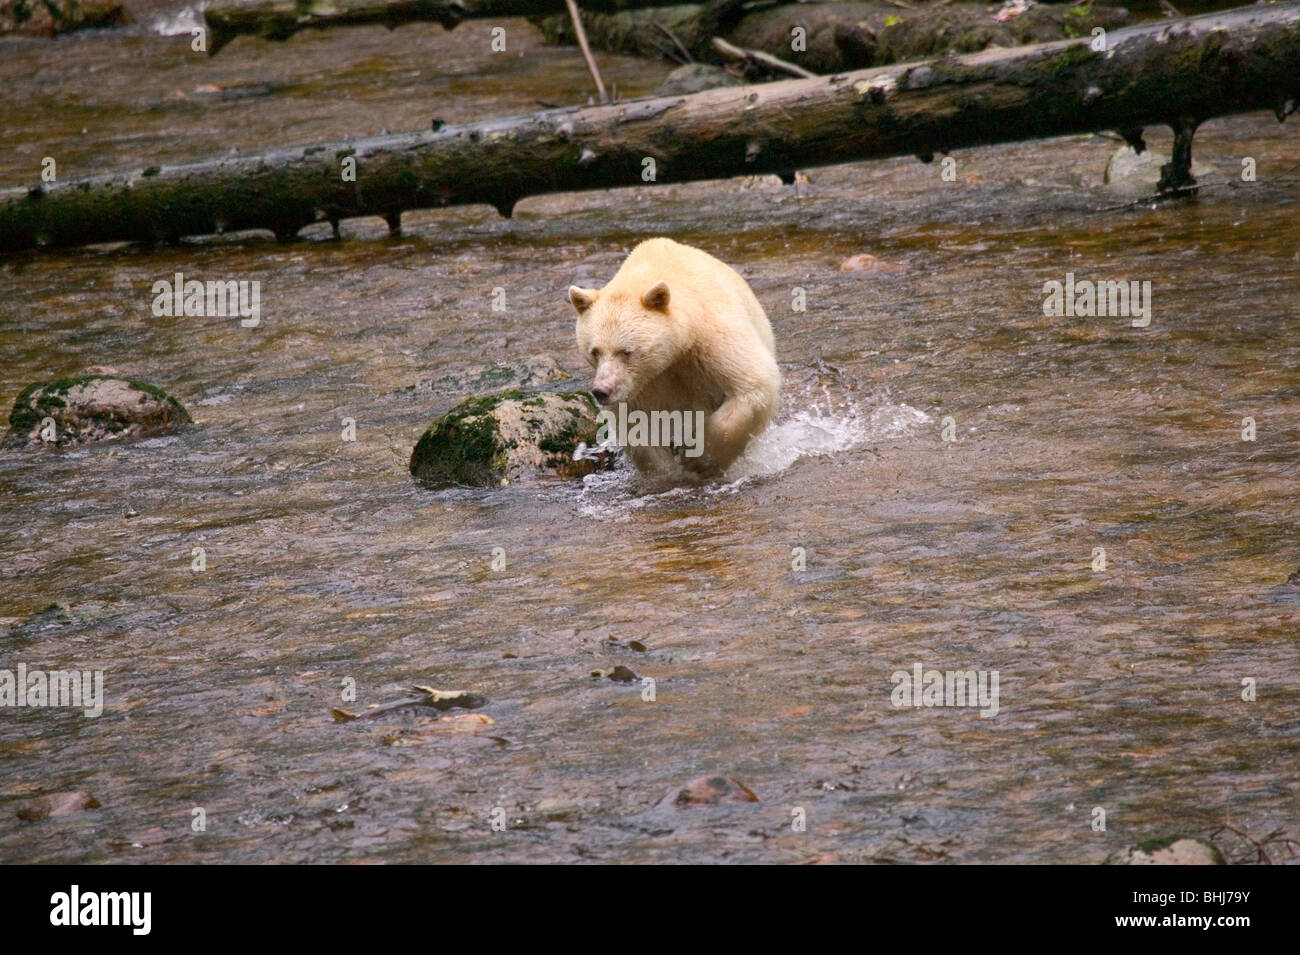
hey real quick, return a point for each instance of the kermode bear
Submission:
(675, 330)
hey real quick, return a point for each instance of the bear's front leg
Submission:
(654, 462)
(726, 434)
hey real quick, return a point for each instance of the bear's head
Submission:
(629, 339)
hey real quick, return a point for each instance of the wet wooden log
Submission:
(1176, 72)
(677, 32)
(836, 35)
(55, 17)
(281, 19)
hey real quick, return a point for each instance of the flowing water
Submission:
(947, 461)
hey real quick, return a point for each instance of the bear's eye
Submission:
(595, 354)
(624, 353)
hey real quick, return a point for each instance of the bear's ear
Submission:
(582, 298)
(657, 298)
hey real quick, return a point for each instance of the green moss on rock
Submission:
(496, 439)
(91, 408)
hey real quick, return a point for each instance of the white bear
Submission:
(675, 330)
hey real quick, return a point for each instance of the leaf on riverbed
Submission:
(709, 791)
(620, 673)
(429, 698)
(866, 262)
(447, 699)
(455, 723)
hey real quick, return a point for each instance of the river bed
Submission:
(947, 461)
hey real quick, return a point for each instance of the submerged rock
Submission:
(51, 17)
(478, 378)
(866, 262)
(710, 791)
(1133, 174)
(55, 617)
(1287, 593)
(1171, 850)
(91, 408)
(507, 436)
(694, 78)
(620, 673)
(54, 805)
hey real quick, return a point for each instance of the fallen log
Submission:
(656, 31)
(1177, 72)
(281, 19)
(836, 36)
(55, 17)
(879, 38)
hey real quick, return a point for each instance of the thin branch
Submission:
(1274, 838)
(668, 53)
(581, 34)
(678, 43)
(758, 56)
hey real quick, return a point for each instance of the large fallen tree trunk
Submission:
(1178, 72)
(837, 36)
(281, 19)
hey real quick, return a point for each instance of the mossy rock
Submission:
(1169, 850)
(89, 409)
(512, 435)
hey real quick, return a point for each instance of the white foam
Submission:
(182, 22)
(818, 430)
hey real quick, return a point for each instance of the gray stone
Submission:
(1171, 850)
(695, 78)
(1136, 175)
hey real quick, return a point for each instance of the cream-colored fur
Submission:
(677, 330)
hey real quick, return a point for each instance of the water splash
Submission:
(827, 425)
(180, 22)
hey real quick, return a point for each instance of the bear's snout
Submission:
(600, 394)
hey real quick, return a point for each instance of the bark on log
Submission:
(646, 32)
(838, 36)
(55, 17)
(1176, 72)
(281, 19)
